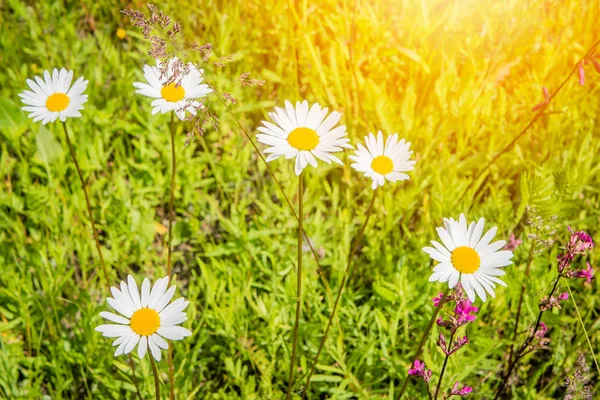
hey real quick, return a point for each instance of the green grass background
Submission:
(457, 79)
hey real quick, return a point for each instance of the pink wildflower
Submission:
(541, 332)
(463, 312)
(419, 371)
(438, 299)
(587, 273)
(513, 243)
(465, 390)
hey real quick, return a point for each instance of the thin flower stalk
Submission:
(170, 244)
(134, 378)
(345, 279)
(89, 206)
(587, 338)
(424, 337)
(298, 289)
(520, 304)
(156, 380)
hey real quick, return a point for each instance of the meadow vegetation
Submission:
(456, 79)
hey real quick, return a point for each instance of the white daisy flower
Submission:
(468, 257)
(383, 161)
(148, 318)
(304, 134)
(53, 97)
(177, 96)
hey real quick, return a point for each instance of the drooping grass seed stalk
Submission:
(135, 381)
(170, 244)
(423, 339)
(439, 384)
(340, 291)
(156, 381)
(583, 327)
(521, 352)
(298, 288)
(89, 206)
(184, 54)
(534, 119)
(520, 305)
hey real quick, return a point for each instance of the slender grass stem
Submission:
(340, 291)
(89, 206)
(260, 155)
(583, 326)
(170, 244)
(439, 384)
(156, 380)
(522, 133)
(171, 195)
(298, 288)
(522, 350)
(520, 305)
(423, 339)
(135, 381)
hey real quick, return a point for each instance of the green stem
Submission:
(298, 289)
(156, 381)
(423, 339)
(172, 195)
(521, 352)
(135, 381)
(520, 305)
(583, 326)
(439, 384)
(260, 155)
(88, 204)
(340, 291)
(170, 243)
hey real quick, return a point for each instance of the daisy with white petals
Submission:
(303, 133)
(178, 94)
(53, 97)
(466, 256)
(383, 161)
(146, 319)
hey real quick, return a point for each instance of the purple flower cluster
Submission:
(579, 243)
(464, 312)
(420, 371)
(465, 390)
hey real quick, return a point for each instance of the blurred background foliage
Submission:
(456, 78)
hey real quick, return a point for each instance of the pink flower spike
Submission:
(513, 243)
(580, 242)
(438, 299)
(587, 273)
(417, 368)
(542, 330)
(563, 296)
(460, 392)
(581, 73)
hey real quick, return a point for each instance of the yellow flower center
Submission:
(303, 139)
(57, 102)
(465, 260)
(145, 321)
(172, 92)
(382, 165)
